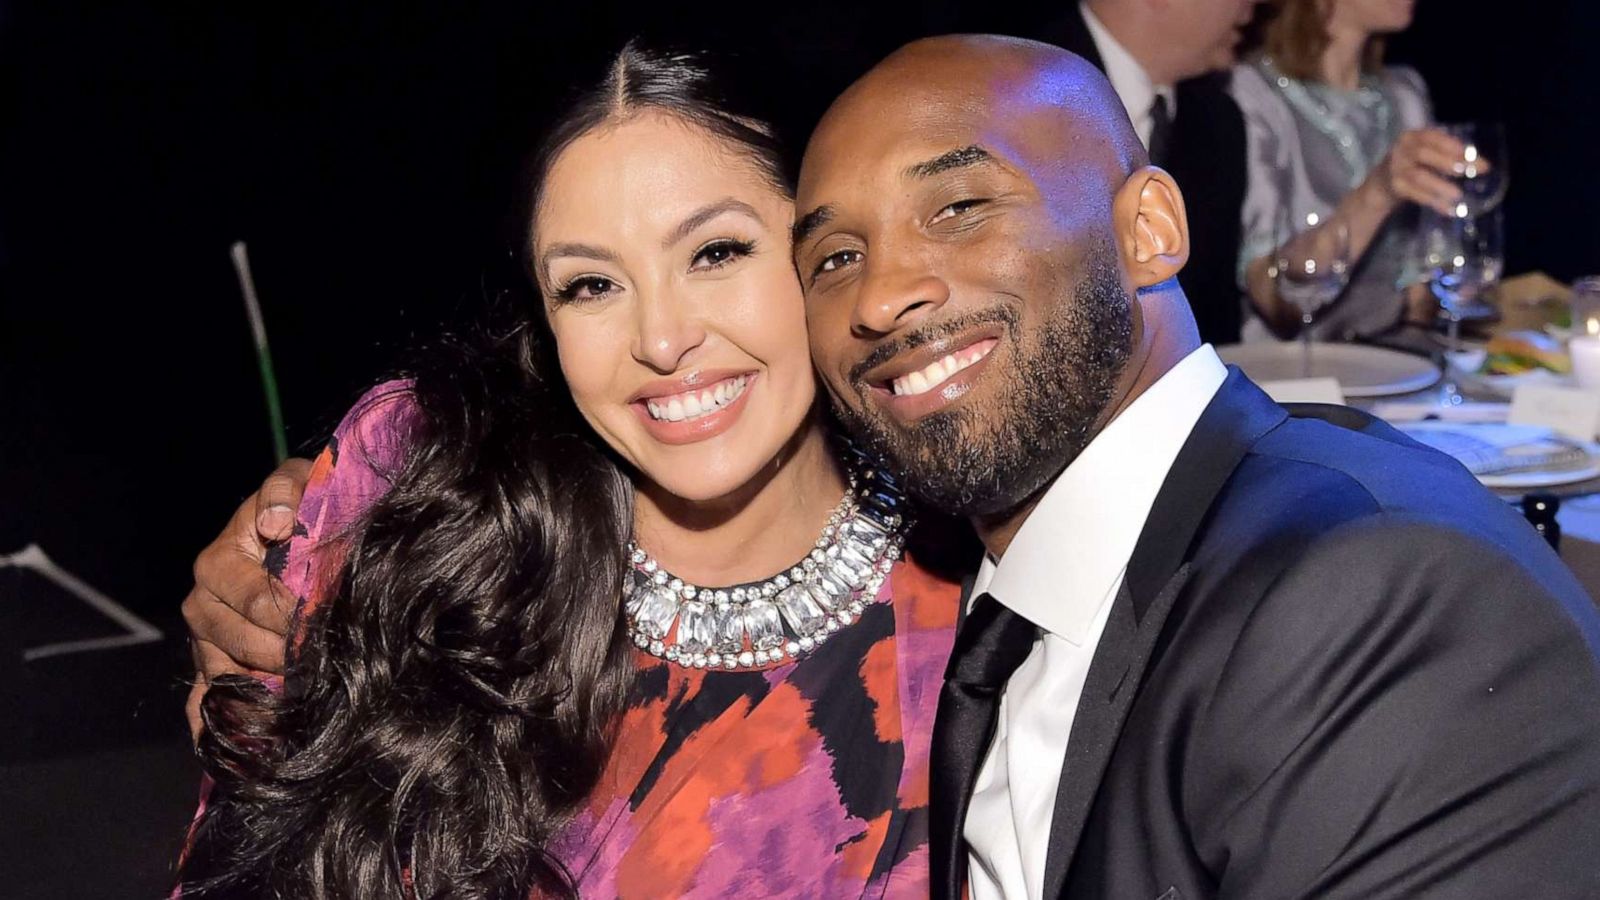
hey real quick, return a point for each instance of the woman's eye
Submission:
(956, 209)
(835, 261)
(720, 253)
(588, 287)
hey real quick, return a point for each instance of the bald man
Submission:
(1217, 648)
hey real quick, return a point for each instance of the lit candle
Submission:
(1585, 350)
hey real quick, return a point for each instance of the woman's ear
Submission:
(1152, 229)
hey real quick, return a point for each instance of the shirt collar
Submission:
(1127, 77)
(1073, 549)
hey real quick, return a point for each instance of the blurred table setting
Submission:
(1507, 392)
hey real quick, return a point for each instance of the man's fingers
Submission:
(219, 629)
(279, 498)
(210, 663)
(191, 709)
(237, 577)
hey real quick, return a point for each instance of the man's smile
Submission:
(935, 374)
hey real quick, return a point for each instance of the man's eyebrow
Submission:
(706, 214)
(955, 159)
(810, 222)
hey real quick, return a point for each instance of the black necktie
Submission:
(1160, 130)
(992, 643)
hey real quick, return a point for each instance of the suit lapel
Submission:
(1114, 676)
(1157, 572)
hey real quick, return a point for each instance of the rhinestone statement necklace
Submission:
(785, 617)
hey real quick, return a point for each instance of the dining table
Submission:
(1531, 302)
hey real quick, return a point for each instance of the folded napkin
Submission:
(1397, 411)
(1488, 449)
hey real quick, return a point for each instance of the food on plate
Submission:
(1520, 352)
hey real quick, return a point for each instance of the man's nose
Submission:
(894, 297)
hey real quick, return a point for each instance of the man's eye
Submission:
(836, 261)
(588, 287)
(956, 209)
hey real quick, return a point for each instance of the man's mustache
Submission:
(930, 332)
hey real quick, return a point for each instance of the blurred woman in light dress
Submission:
(1338, 142)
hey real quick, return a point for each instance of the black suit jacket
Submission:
(1338, 668)
(1208, 160)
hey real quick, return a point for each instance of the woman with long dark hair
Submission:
(598, 605)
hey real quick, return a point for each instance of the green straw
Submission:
(258, 332)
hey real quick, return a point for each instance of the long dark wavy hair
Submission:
(454, 701)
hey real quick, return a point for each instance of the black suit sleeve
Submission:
(1408, 712)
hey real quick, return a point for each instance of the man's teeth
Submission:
(694, 404)
(936, 373)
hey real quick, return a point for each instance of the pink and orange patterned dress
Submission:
(806, 779)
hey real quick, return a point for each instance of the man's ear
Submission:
(1152, 229)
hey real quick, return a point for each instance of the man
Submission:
(1216, 649)
(1168, 62)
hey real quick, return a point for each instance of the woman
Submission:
(496, 686)
(1339, 140)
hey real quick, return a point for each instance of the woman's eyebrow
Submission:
(705, 214)
(581, 251)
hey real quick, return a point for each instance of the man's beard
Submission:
(988, 460)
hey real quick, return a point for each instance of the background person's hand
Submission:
(238, 615)
(1420, 168)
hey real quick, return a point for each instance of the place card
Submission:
(1573, 412)
(1304, 390)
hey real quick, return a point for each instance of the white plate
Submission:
(1362, 371)
(1529, 480)
(1514, 434)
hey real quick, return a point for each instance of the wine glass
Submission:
(1463, 258)
(1484, 175)
(1311, 268)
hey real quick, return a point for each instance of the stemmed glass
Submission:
(1484, 174)
(1310, 269)
(1463, 257)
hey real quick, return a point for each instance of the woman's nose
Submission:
(667, 332)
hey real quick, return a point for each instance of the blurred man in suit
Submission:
(1168, 62)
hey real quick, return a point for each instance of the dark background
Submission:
(365, 155)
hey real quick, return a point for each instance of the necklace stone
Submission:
(785, 617)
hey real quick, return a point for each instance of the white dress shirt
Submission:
(1061, 572)
(1128, 78)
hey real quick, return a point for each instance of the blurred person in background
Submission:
(1337, 140)
(1168, 62)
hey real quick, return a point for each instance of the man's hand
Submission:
(238, 615)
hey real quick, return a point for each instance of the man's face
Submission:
(963, 292)
(1204, 34)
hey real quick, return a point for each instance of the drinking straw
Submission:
(258, 333)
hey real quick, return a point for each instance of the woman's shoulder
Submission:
(1252, 86)
(1404, 78)
(1410, 94)
(1251, 81)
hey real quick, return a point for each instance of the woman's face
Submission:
(1372, 16)
(663, 256)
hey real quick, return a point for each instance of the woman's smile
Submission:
(696, 413)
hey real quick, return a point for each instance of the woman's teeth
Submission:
(926, 379)
(694, 404)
